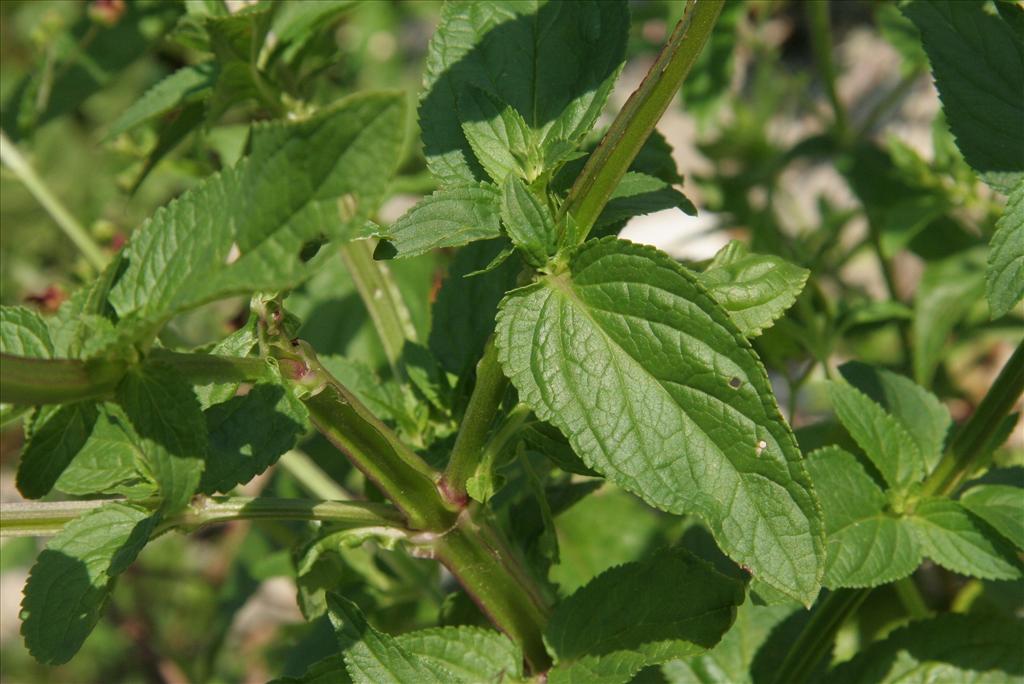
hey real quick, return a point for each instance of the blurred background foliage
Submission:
(827, 176)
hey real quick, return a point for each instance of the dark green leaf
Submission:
(657, 390)
(69, 584)
(638, 194)
(1004, 276)
(499, 136)
(165, 414)
(330, 670)
(110, 462)
(754, 288)
(978, 64)
(55, 435)
(187, 84)
(448, 218)
(553, 63)
(961, 542)
(671, 606)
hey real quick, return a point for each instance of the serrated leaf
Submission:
(236, 40)
(754, 288)
(187, 84)
(1001, 506)
(732, 661)
(958, 541)
(447, 218)
(554, 63)
(70, 581)
(945, 294)
(978, 64)
(638, 194)
(883, 438)
(110, 462)
(373, 657)
(245, 229)
(55, 435)
(470, 654)
(23, 332)
(965, 649)
(633, 616)
(247, 435)
(1004, 275)
(529, 223)
(657, 390)
(866, 545)
(498, 135)
(463, 315)
(921, 414)
(165, 414)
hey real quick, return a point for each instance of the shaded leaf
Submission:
(1004, 275)
(187, 84)
(958, 541)
(1001, 506)
(55, 435)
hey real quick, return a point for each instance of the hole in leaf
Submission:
(735, 383)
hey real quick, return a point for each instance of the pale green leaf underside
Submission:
(447, 218)
(673, 605)
(958, 541)
(69, 583)
(866, 545)
(960, 649)
(245, 228)
(1004, 277)
(754, 288)
(883, 438)
(978, 64)
(500, 138)
(1001, 506)
(656, 389)
(184, 85)
(553, 63)
(638, 194)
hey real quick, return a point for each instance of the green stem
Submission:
(970, 445)
(35, 518)
(498, 583)
(637, 119)
(821, 44)
(476, 424)
(383, 300)
(12, 157)
(312, 477)
(30, 381)
(817, 636)
(911, 598)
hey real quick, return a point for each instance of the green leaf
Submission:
(1001, 506)
(733, 660)
(55, 435)
(110, 461)
(165, 414)
(330, 670)
(373, 657)
(384, 398)
(754, 288)
(187, 84)
(947, 291)
(69, 584)
(921, 414)
(657, 390)
(529, 223)
(498, 135)
(958, 541)
(463, 315)
(24, 333)
(447, 218)
(553, 63)
(883, 438)
(236, 40)
(296, 23)
(246, 228)
(638, 194)
(1004, 275)
(979, 649)
(247, 435)
(470, 654)
(866, 545)
(978, 64)
(633, 616)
